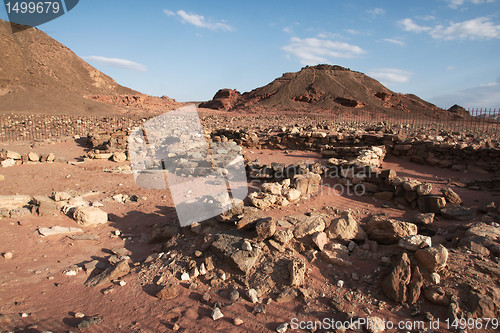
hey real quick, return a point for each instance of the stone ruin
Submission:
(270, 257)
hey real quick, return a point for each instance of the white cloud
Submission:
(409, 25)
(357, 32)
(287, 30)
(312, 51)
(478, 28)
(482, 96)
(376, 12)
(390, 75)
(117, 63)
(457, 3)
(450, 68)
(395, 41)
(199, 20)
(168, 12)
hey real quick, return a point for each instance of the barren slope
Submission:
(326, 87)
(40, 75)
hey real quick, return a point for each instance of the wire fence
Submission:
(19, 127)
(479, 122)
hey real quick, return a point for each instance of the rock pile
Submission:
(10, 158)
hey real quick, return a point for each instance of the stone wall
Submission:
(454, 152)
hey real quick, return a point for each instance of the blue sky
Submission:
(444, 51)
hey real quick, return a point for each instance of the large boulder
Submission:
(451, 196)
(431, 203)
(345, 228)
(432, 258)
(297, 270)
(307, 184)
(228, 247)
(457, 212)
(46, 206)
(265, 228)
(484, 230)
(389, 231)
(309, 225)
(395, 284)
(90, 216)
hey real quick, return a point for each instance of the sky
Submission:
(444, 51)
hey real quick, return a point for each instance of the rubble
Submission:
(121, 269)
(228, 247)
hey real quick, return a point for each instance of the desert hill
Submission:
(40, 75)
(322, 87)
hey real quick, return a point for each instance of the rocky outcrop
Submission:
(224, 99)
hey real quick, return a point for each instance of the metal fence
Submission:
(479, 122)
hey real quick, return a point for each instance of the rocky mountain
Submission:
(40, 75)
(322, 87)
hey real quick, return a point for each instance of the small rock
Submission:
(297, 269)
(282, 328)
(436, 295)
(435, 278)
(58, 230)
(202, 269)
(375, 325)
(414, 242)
(79, 315)
(265, 228)
(424, 189)
(252, 295)
(320, 239)
(87, 322)
(283, 236)
(237, 321)
(424, 218)
(259, 308)
(451, 196)
(7, 255)
(119, 157)
(185, 276)
(33, 157)
(7, 163)
(234, 295)
(168, 292)
(122, 283)
(216, 314)
(246, 246)
(194, 273)
(61, 196)
(454, 211)
(340, 283)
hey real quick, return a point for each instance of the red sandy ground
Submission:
(33, 283)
